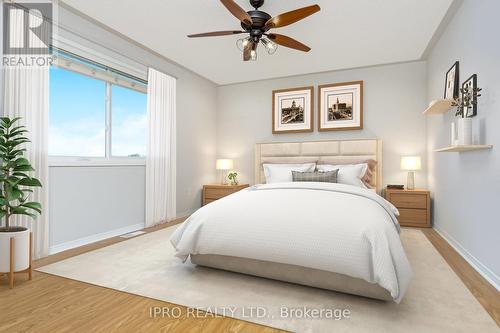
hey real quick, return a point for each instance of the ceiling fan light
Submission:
(270, 46)
(253, 55)
(242, 42)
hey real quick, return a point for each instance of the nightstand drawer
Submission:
(412, 217)
(217, 193)
(409, 200)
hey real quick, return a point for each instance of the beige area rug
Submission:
(437, 301)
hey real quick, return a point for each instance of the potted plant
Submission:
(15, 189)
(233, 177)
(467, 100)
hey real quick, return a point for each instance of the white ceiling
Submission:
(344, 34)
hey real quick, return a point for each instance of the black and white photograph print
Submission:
(451, 89)
(293, 110)
(340, 106)
(470, 85)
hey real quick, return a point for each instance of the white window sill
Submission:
(95, 161)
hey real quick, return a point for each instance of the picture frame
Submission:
(451, 83)
(293, 110)
(471, 82)
(340, 106)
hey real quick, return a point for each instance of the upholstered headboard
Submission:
(321, 152)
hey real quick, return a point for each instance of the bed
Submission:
(332, 236)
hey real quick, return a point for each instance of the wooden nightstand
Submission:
(214, 192)
(413, 205)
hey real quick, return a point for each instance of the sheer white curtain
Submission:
(26, 95)
(161, 151)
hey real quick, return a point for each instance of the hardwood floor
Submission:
(54, 304)
(485, 293)
(50, 303)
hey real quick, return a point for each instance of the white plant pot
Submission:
(464, 129)
(21, 250)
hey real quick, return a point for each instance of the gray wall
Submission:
(100, 202)
(394, 98)
(109, 198)
(466, 186)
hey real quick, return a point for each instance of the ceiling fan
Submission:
(257, 24)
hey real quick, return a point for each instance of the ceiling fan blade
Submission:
(291, 17)
(237, 11)
(247, 51)
(288, 42)
(217, 33)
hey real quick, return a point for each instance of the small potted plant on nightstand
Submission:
(15, 184)
(233, 177)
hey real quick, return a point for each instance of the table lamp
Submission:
(411, 164)
(224, 165)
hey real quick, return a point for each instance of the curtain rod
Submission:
(102, 66)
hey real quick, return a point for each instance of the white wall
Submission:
(88, 201)
(1, 62)
(394, 98)
(466, 186)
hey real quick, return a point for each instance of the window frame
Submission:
(108, 159)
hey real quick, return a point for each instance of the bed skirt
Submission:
(294, 274)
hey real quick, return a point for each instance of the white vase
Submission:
(453, 134)
(21, 250)
(464, 131)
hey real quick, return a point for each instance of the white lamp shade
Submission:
(224, 164)
(411, 163)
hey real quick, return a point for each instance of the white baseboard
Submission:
(485, 272)
(94, 238)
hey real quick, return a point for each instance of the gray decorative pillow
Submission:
(317, 176)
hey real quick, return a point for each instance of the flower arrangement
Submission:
(466, 101)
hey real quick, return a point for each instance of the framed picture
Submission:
(451, 88)
(340, 106)
(293, 110)
(471, 83)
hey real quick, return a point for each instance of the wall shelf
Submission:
(462, 148)
(439, 106)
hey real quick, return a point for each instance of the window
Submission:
(77, 119)
(95, 113)
(128, 133)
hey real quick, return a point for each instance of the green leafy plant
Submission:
(232, 177)
(468, 100)
(15, 182)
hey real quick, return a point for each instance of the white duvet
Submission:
(331, 227)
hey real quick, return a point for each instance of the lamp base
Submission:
(410, 181)
(223, 179)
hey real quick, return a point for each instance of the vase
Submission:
(453, 134)
(464, 129)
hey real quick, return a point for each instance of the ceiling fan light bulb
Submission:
(242, 43)
(253, 55)
(270, 46)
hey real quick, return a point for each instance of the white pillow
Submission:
(281, 173)
(350, 174)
